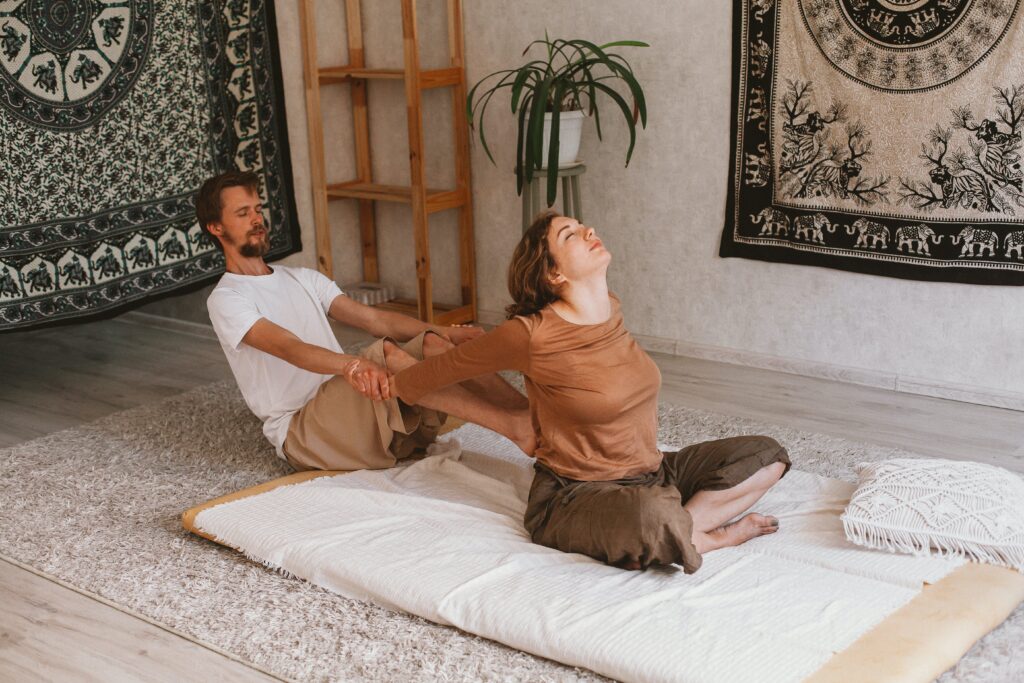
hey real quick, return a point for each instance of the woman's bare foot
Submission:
(742, 530)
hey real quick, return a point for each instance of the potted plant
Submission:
(547, 93)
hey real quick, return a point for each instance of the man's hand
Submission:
(368, 378)
(462, 333)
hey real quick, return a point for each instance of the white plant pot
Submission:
(570, 127)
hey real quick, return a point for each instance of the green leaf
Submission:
(536, 136)
(483, 140)
(521, 174)
(585, 83)
(625, 112)
(553, 148)
(598, 52)
(521, 78)
(626, 74)
(624, 43)
(472, 91)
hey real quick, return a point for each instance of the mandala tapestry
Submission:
(112, 113)
(879, 136)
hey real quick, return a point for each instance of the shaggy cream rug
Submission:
(99, 507)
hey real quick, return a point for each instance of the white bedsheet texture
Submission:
(443, 538)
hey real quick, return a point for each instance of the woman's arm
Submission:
(507, 347)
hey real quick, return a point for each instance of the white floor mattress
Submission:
(443, 538)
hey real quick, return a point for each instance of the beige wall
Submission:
(662, 217)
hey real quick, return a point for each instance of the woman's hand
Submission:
(368, 378)
(463, 333)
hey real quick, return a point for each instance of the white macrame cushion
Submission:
(942, 507)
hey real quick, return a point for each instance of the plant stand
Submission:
(571, 202)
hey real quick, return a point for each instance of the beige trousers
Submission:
(340, 429)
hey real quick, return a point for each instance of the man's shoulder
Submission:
(309, 278)
(232, 288)
(224, 286)
(297, 271)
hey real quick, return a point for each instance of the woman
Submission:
(601, 486)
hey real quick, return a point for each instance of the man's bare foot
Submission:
(742, 530)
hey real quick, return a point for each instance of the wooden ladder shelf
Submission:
(423, 200)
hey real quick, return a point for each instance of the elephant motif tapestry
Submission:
(112, 114)
(879, 136)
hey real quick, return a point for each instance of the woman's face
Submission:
(577, 250)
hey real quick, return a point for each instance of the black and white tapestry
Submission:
(112, 113)
(879, 136)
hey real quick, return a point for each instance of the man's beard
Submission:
(257, 249)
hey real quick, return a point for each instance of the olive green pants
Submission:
(340, 429)
(642, 519)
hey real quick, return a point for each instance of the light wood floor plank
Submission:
(931, 426)
(51, 633)
(56, 378)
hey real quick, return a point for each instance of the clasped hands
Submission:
(368, 378)
(376, 382)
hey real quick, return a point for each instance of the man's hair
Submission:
(530, 270)
(208, 204)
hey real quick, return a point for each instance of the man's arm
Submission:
(381, 323)
(364, 375)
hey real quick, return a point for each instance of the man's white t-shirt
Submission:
(298, 300)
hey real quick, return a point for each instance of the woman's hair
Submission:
(530, 269)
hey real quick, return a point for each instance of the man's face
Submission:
(241, 223)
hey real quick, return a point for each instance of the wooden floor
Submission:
(61, 377)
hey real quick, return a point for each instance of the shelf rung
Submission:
(440, 78)
(338, 74)
(455, 316)
(431, 78)
(443, 314)
(357, 189)
(441, 201)
(437, 200)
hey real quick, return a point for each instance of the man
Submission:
(322, 408)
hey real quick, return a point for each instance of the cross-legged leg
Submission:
(718, 480)
(459, 401)
(711, 510)
(491, 387)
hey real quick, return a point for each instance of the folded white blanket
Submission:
(443, 538)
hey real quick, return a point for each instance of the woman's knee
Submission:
(772, 453)
(765, 443)
(775, 470)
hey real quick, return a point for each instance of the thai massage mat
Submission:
(879, 136)
(112, 113)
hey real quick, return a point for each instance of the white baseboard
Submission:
(807, 368)
(1011, 400)
(794, 366)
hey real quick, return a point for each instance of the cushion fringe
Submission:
(930, 544)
